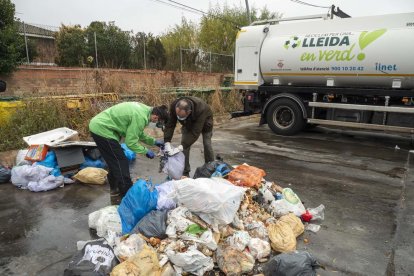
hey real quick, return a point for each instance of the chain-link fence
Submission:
(41, 49)
(39, 40)
(200, 61)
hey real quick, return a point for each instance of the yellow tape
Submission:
(245, 82)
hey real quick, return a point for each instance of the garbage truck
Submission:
(318, 70)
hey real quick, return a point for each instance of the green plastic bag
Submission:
(195, 229)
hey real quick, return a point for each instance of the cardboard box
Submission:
(36, 152)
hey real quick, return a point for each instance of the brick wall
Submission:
(36, 80)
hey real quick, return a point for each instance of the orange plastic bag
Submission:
(247, 176)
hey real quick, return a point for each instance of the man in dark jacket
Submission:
(196, 118)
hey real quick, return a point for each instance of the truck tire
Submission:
(2, 86)
(284, 117)
(310, 126)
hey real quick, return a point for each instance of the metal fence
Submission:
(40, 49)
(200, 61)
(39, 42)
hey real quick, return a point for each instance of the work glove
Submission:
(150, 154)
(159, 143)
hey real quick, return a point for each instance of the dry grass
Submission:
(47, 112)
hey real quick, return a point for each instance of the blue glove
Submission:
(159, 143)
(150, 154)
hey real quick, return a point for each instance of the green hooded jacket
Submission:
(126, 120)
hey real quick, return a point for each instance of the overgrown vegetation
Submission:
(70, 42)
(11, 44)
(186, 45)
(114, 48)
(38, 115)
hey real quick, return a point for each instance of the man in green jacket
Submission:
(196, 118)
(125, 120)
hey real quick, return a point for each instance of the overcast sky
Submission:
(153, 16)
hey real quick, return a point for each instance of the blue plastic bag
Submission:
(50, 161)
(130, 155)
(89, 162)
(138, 202)
(221, 171)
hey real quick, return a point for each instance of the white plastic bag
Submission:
(317, 213)
(22, 175)
(48, 183)
(206, 238)
(312, 227)
(239, 240)
(174, 167)
(21, 154)
(259, 248)
(177, 221)
(282, 207)
(266, 193)
(290, 203)
(257, 229)
(192, 261)
(165, 196)
(237, 223)
(104, 220)
(129, 247)
(215, 200)
(178, 224)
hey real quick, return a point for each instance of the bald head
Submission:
(183, 109)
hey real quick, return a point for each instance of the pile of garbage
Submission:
(230, 220)
(55, 158)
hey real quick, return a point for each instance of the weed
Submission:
(48, 112)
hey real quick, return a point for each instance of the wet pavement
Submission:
(364, 181)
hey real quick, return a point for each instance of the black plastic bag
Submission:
(5, 174)
(96, 258)
(214, 167)
(154, 224)
(292, 264)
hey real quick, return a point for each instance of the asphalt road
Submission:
(365, 180)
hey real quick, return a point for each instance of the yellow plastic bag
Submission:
(282, 237)
(144, 262)
(91, 175)
(294, 222)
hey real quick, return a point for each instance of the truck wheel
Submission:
(2, 86)
(310, 126)
(284, 117)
